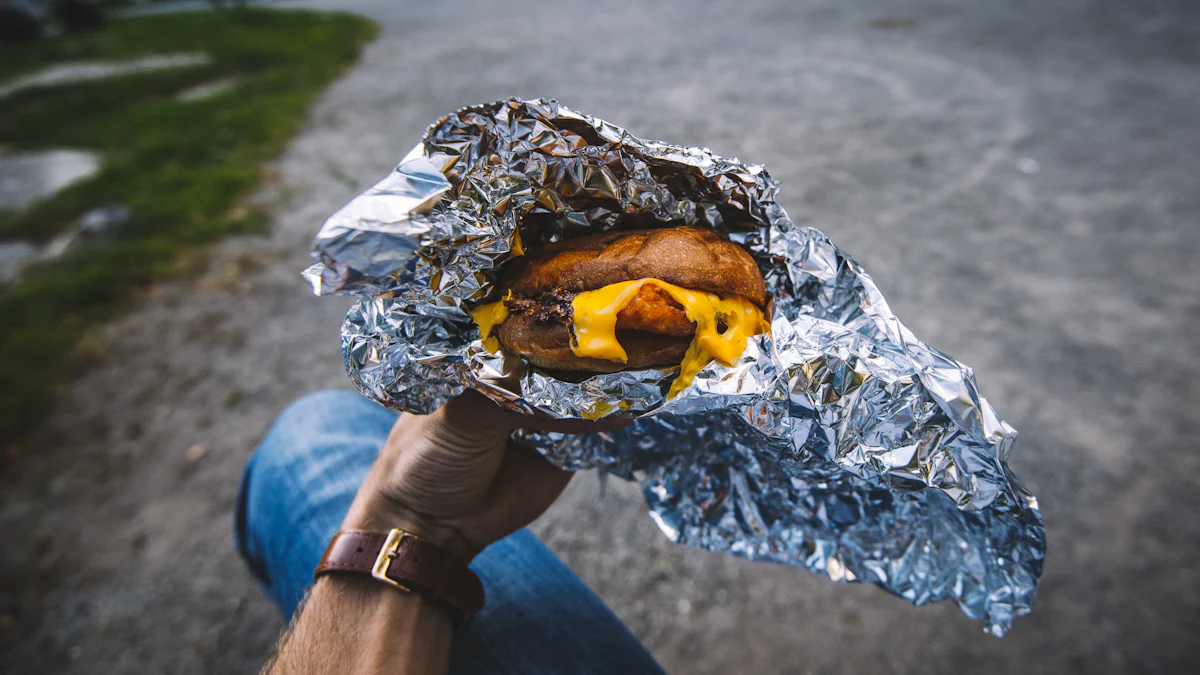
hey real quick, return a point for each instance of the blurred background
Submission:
(1022, 178)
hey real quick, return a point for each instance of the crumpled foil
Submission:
(838, 442)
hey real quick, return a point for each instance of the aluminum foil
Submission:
(840, 442)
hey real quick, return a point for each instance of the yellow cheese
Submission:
(488, 317)
(595, 323)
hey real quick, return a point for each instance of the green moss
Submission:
(181, 168)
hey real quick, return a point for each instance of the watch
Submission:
(406, 562)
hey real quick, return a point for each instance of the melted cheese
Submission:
(595, 323)
(488, 317)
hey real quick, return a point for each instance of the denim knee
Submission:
(276, 455)
(318, 448)
(306, 419)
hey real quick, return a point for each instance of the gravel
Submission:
(1019, 177)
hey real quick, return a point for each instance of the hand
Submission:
(452, 477)
(456, 478)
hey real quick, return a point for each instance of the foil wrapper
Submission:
(839, 442)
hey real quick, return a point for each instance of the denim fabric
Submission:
(297, 487)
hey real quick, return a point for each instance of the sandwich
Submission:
(676, 296)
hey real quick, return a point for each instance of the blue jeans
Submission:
(297, 487)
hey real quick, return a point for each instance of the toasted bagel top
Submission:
(689, 257)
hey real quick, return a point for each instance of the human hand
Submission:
(456, 478)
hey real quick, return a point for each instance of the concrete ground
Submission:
(1020, 177)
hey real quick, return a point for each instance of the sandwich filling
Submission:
(719, 326)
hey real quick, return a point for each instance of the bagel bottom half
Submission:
(548, 345)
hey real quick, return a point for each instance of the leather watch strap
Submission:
(407, 562)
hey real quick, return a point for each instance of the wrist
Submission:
(407, 563)
(363, 595)
(348, 626)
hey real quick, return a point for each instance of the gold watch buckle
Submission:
(391, 548)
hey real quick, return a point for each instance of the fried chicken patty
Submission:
(653, 310)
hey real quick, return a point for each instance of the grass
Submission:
(181, 168)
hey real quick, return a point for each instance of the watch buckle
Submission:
(391, 548)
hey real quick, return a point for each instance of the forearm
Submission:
(350, 625)
(354, 624)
